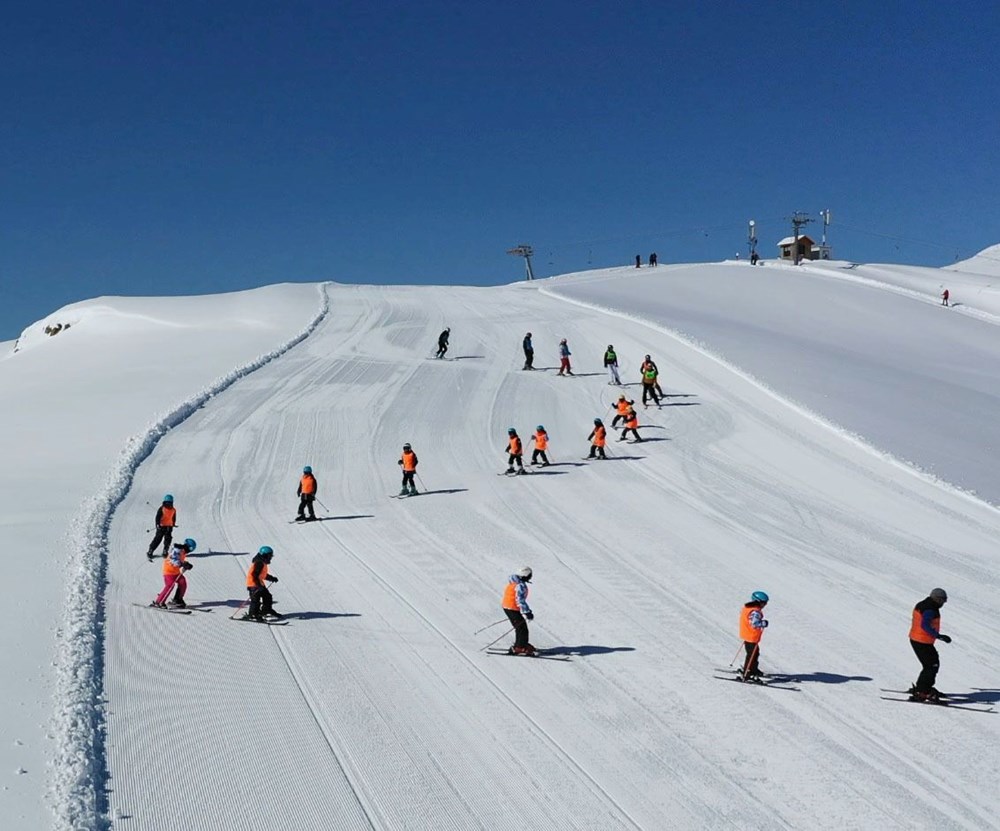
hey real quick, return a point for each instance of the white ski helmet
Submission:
(524, 573)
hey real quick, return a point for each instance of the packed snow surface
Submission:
(827, 437)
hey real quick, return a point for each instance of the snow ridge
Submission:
(80, 767)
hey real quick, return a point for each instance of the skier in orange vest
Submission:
(408, 461)
(752, 626)
(925, 628)
(166, 521)
(631, 423)
(515, 606)
(307, 492)
(621, 410)
(598, 438)
(541, 440)
(515, 451)
(261, 599)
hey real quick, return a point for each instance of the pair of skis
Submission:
(174, 610)
(953, 701)
(774, 682)
(537, 654)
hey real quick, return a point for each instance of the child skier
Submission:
(631, 423)
(925, 629)
(752, 626)
(564, 353)
(622, 408)
(408, 461)
(515, 606)
(261, 601)
(307, 492)
(541, 440)
(598, 438)
(173, 574)
(515, 451)
(166, 521)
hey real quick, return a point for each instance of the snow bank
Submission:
(78, 775)
(985, 262)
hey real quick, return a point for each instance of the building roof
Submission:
(803, 238)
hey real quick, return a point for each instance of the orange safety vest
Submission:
(263, 574)
(917, 632)
(308, 483)
(600, 435)
(168, 516)
(541, 439)
(631, 420)
(409, 460)
(169, 568)
(515, 445)
(510, 596)
(623, 406)
(747, 632)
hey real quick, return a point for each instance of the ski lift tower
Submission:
(527, 252)
(798, 220)
(752, 238)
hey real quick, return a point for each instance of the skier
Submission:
(598, 437)
(541, 440)
(173, 574)
(649, 385)
(754, 257)
(752, 626)
(611, 362)
(166, 521)
(652, 259)
(515, 606)
(638, 260)
(564, 354)
(443, 342)
(649, 363)
(307, 492)
(529, 352)
(408, 461)
(631, 423)
(944, 297)
(515, 450)
(925, 628)
(622, 407)
(261, 601)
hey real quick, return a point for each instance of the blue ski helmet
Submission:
(540, 428)
(307, 469)
(190, 544)
(266, 550)
(511, 431)
(168, 497)
(597, 421)
(760, 597)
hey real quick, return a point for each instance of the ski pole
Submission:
(322, 505)
(421, 481)
(488, 627)
(504, 635)
(737, 655)
(238, 608)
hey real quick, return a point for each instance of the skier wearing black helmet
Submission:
(514, 450)
(529, 352)
(408, 461)
(925, 629)
(611, 362)
(443, 342)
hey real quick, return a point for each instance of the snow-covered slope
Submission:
(986, 262)
(375, 708)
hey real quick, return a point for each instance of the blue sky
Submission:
(206, 147)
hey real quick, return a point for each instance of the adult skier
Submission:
(307, 492)
(752, 626)
(925, 628)
(514, 450)
(649, 385)
(541, 440)
(529, 352)
(443, 342)
(649, 363)
(408, 461)
(611, 362)
(515, 606)
(621, 410)
(166, 521)
(564, 353)
(173, 574)
(945, 295)
(261, 601)
(598, 438)
(631, 423)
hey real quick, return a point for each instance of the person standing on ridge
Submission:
(652, 259)
(529, 352)
(408, 461)
(621, 410)
(261, 600)
(307, 492)
(515, 606)
(925, 628)
(944, 297)
(166, 521)
(173, 574)
(752, 626)
(631, 423)
(443, 342)
(541, 440)
(598, 438)
(515, 451)
(638, 260)
(564, 353)
(611, 362)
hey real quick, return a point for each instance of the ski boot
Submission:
(178, 603)
(413, 491)
(273, 614)
(404, 492)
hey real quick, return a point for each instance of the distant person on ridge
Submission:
(173, 574)
(638, 261)
(622, 408)
(529, 352)
(408, 461)
(611, 362)
(925, 628)
(541, 440)
(752, 626)
(307, 493)
(564, 353)
(754, 257)
(261, 599)
(598, 438)
(944, 297)
(443, 342)
(515, 606)
(515, 451)
(166, 521)
(652, 259)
